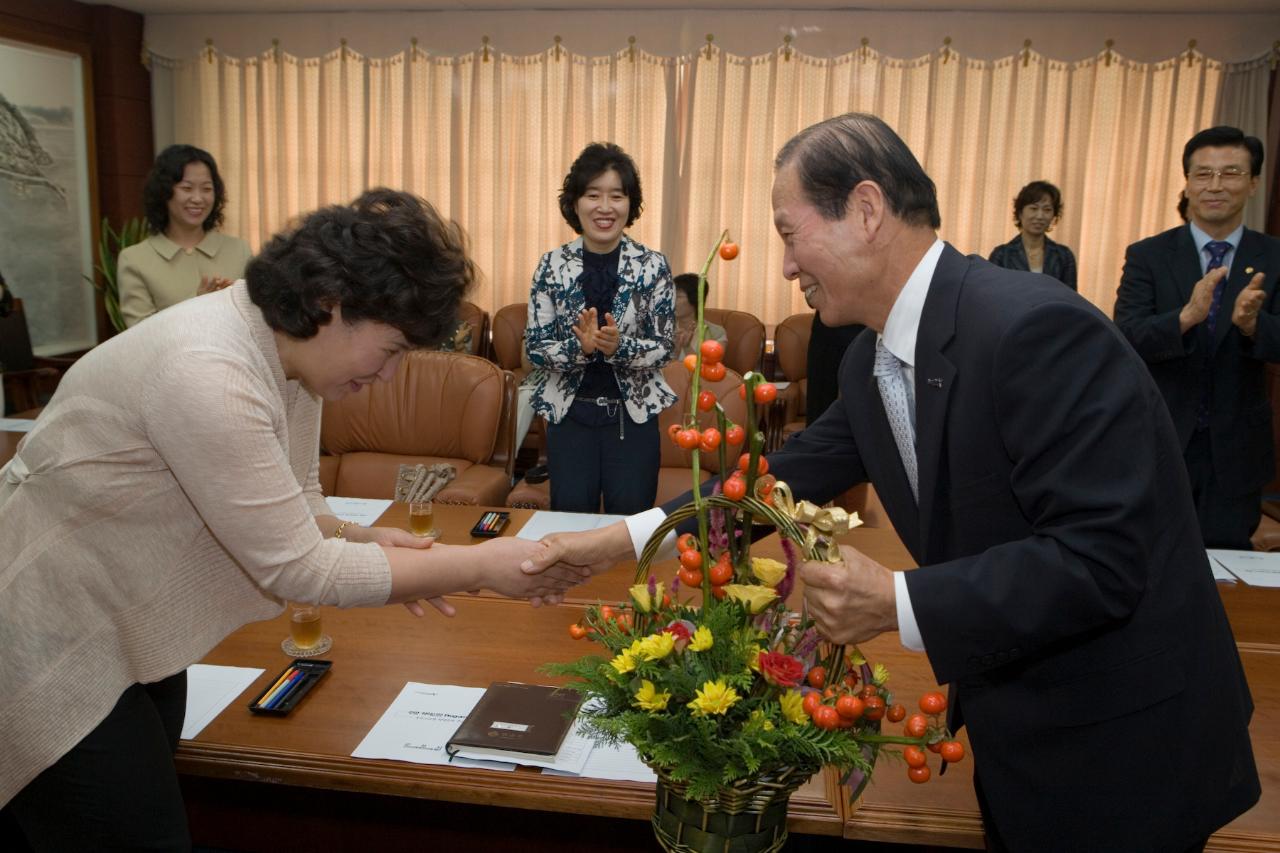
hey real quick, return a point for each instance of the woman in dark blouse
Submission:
(600, 327)
(1036, 209)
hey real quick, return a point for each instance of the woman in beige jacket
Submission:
(168, 494)
(185, 255)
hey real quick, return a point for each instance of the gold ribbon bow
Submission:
(821, 524)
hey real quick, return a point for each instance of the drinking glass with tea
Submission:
(422, 519)
(306, 632)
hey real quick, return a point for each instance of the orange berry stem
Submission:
(694, 383)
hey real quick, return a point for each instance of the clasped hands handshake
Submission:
(851, 601)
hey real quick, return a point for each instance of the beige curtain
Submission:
(1109, 132)
(488, 138)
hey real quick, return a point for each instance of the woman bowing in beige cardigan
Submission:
(169, 493)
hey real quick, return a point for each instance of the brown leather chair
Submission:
(29, 379)
(745, 334)
(791, 347)
(478, 319)
(439, 407)
(674, 474)
(508, 339)
(508, 351)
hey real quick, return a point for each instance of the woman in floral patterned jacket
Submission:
(600, 328)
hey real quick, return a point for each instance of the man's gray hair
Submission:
(834, 156)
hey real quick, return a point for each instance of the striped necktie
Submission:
(899, 406)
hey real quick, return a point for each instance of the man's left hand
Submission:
(852, 600)
(1248, 304)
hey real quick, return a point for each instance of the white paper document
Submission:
(361, 511)
(570, 758)
(420, 722)
(1256, 568)
(1220, 574)
(17, 424)
(544, 523)
(612, 762)
(210, 689)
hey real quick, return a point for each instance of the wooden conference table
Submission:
(255, 783)
(377, 650)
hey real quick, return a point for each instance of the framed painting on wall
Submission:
(47, 203)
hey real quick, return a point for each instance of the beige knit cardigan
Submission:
(165, 497)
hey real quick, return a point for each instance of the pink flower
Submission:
(781, 670)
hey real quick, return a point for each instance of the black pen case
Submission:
(494, 529)
(310, 671)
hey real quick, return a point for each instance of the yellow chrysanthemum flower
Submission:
(701, 639)
(767, 571)
(757, 716)
(657, 646)
(649, 699)
(792, 703)
(756, 598)
(715, 697)
(640, 595)
(625, 662)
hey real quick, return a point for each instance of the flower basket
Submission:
(749, 815)
(733, 699)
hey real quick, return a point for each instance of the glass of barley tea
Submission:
(422, 519)
(306, 632)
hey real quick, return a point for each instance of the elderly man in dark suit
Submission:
(1199, 304)
(1024, 455)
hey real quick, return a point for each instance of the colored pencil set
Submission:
(490, 524)
(288, 689)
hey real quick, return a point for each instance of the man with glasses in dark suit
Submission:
(1199, 304)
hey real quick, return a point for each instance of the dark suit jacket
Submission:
(1159, 275)
(1064, 591)
(1059, 261)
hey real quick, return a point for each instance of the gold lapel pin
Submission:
(1248, 270)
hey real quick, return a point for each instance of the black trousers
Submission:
(588, 463)
(995, 842)
(1227, 520)
(115, 790)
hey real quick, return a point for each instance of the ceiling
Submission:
(260, 6)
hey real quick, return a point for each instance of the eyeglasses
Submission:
(1229, 175)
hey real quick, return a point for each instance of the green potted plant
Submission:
(110, 244)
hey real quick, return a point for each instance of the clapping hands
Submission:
(593, 336)
(211, 283)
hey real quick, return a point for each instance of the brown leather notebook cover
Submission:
(514, 720)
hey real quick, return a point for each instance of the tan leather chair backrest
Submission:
(508, 336)
(437, 404)
(469, 312)
(745, 332)
(791, 345)
(735, 408)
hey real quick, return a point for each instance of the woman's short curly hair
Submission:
(166, 173)
(595, 160)
(1034, 193)
(387, 257)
